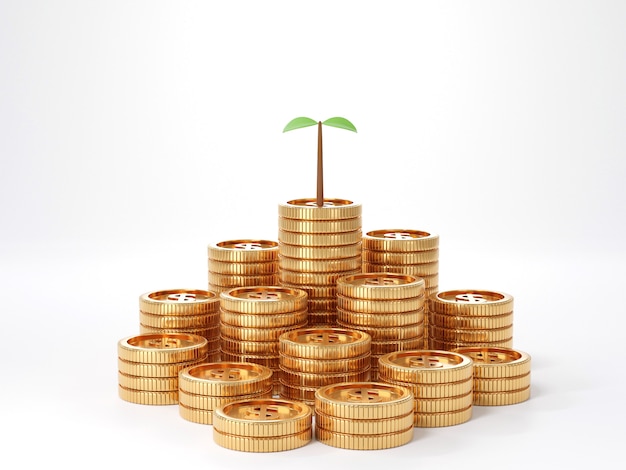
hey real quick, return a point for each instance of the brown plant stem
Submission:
(320, 167)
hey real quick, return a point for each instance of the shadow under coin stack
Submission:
(252, 320)
(205, 387)
(461, 318)
(441, 382)
(317, 245)
(313, 357)
(412, 252)
(194, 312)
(263, 425)
(387, 306)
(501, 375)
(364, 415)
(149, 364)
(240, 263)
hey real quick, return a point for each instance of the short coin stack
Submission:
(441, 382)
(148, 365)
(461, 318)
(189, 311)
(253, 318)
(240, 263)
(387, 306)
(317, 245)
(501, 375)
(364, 415)
(311, 358)
(205, 387)
(404, 251)
(263, 425)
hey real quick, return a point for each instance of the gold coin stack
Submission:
(412, 252)
(311, 358)
(188, 311)
(501, 375)
(252, 320)
(263, 425)
(241, 263)
(148, 365)
(441, 382)
(461, 318)
(387, 306)
(205, 387)
(364, 415)
(317, 245)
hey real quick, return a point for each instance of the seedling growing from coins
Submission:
(300, 122)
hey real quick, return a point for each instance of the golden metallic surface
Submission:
(315, 279)
(276, 320)
(380, 306)
(443, 405)
(316, 319)
(239, 333)
(320, 252)
(155, 370)
(307, 209)
(148, 384)
(162, 348)
(407, 258)
(326, 366)
(379, 320)
(233, 280)
(497, 362)
(195, 415)
(425, 366)
(314, 292)
(451, 346)
(225, 378)
(211, 334)
(143, 397)
(264, 348)
(319, 265)
(363, 441)
(364, 400)
(418, 270)
(319, 239)
(377, 286)
(471, 322)
(308, 379)
(364, 426)
(471, 336)
(504, 384)
(210, 402)
(263, 300)
(436, 390)
(436, 420)
(324, 343)
(179, 321)
(429, 281)
(245, 269)
(262, 444)
(174, 302)
(386, 347)
(467, 302)
(511, 397)
(319, 226)
(400, 240)
(268, 361)
(298, 393)
(323, 304)
(243, 251)
(389, 334)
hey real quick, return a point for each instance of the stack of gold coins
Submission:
(441, 382)
(205, 387)
(148, 365)
(317, 245)
(387, 306)
(263, 425)
(461, 318)
(252, 320)
(311, 358)
(241, 263)
(412, 252)
(189, 311)
(364, 415)
(501, 375)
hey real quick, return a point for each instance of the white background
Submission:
(134, 133)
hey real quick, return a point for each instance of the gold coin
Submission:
(176, 302)
(225, 378)
(307, 379)
(364, 426)
(265, 360)
(211, 334)
(307, 209)
(276, 320)
(142, 397)
(389, 334)
(319, 265)
(233, 280)
(162, 348)
(315, 279)
(436, 390)
(297, 392)
(264, 348)
(430, 282)
(245, 269)
(156, 370)
(380, 306)
(386, 347)
(364, 442)
(148, 384)
(497, 362)
(263, 299)
(323, 304)
(325, 366)
(436, 420)
(471, 322)
(471, 336)
(400, 240)
(320, 252)
(195, 415)
(322, 320)
(319, 239)
(210, 402)
(511, 397)
(263, 444)
(179, 321)
(425, 366)
(417, 270)
(239, 333)
(451, 346)
(468, 302)
(443, 405)
(319, 226)
(324, 343)
(243, 251)
(377, 286)
(379, 320)
(314, 292)
(504, 384)
(406, 258)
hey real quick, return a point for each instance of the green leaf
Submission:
(298, 123)
(341, 123)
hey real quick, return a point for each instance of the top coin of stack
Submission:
(317, 245)
(468, 317)
(412, 252)
(240, 263)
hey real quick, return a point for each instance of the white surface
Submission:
(135, 133)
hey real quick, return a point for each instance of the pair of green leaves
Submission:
(301, 122)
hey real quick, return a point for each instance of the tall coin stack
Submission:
(240, 263)
(205, 387)
(501, 375)
(441, 382)
(252, 320)
(412, 252)
(387, 306)
(317, 245)
(364, 415)
(187, 311)
(311, 358)
(461, 318)
(148, 365)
